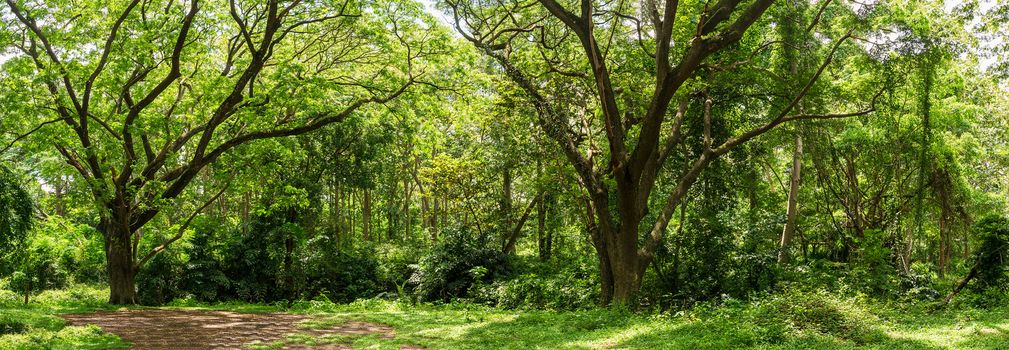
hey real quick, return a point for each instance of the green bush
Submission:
(447, 271)
(993, 252)
(396, 263)
(793, 314)
(340, 275)
(203, 276)
(159, 281)
(40, 267)
(566, 287)
(918, 283)
(254, 261)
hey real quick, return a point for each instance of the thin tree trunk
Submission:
(960, 286)
(505, 225)
(605, 270)
(541, 230)
(513, 238)
(784, 253)
(366, 215)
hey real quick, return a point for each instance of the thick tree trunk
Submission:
(605, 269)
(624, 262)
(784, 254)
(121, 261)
(121, 269)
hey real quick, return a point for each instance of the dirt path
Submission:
(199, 330)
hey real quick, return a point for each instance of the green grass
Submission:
(36, 326)
(790, 320)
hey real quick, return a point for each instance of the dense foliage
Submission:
(777, 159)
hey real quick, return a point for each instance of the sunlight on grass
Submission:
(619, 336)
(787, 321)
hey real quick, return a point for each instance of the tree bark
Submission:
(784, 254)
(121, 267)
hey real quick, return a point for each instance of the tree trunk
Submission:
(505, 226)
(436, 212)
(605, 270)
(623, 254)
(512, 239)
(784, 254)
(121, 261)
(963, 283)
(542, 235)
(366, 215)
(122, 271)
(58, 194)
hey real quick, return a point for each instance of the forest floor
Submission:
(160, 329)
(808, 320)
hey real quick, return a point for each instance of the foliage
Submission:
(16, 213)
(461, 259)
(534, 285)
(993, 253)
(340, 275)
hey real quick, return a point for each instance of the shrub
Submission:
(918, 283)
(40, 267)
(203, 276)
(447, 270)
(340, 275)
(396, 263)
(992, 253)
(793, 314)
(540, 286)
(159, 280)
(255, 262)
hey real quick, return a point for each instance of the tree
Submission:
(139, 99)
(682, 50)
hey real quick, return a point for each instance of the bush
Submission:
(159, 281)
(396, 263)
(793, 314)
(541, 286)
(992, 254)
(918, 283)
(255, 262)
(40, 267)
(203, 276)
(451, 267)
(340, 275)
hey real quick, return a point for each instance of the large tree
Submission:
(140, 96)
(656, 77)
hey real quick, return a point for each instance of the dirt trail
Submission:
(199, 330)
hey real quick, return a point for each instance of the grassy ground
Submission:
(815, 320)
(36, 326)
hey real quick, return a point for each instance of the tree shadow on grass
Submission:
(606, 330)
(703, 336)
